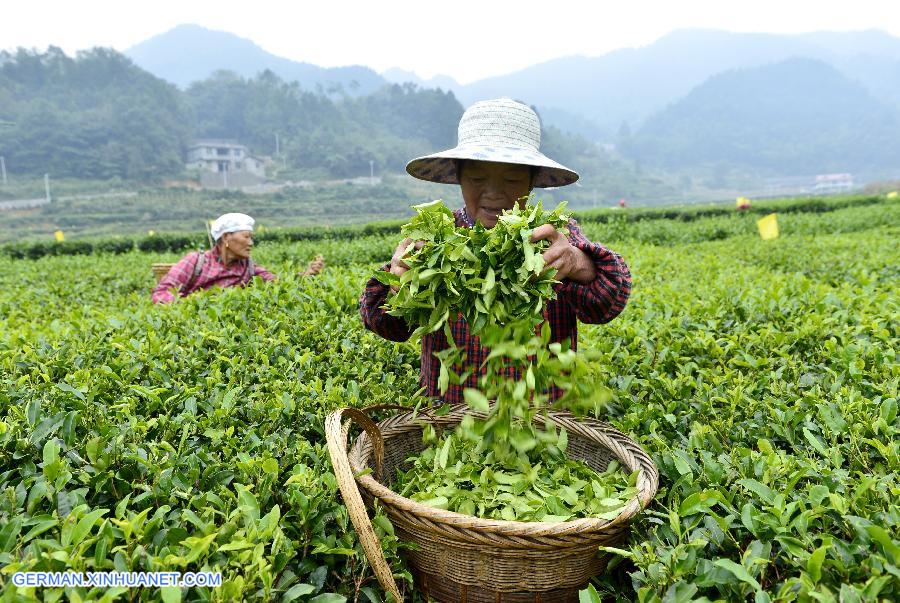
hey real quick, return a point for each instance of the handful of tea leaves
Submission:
(490, 276)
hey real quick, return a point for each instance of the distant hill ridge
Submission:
(631, 84)
(593, 96)
(799, 116)
(190, 53)
(712, 109)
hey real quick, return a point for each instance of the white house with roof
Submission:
(223, 156)
(833, 183)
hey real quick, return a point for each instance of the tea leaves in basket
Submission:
(458, 474)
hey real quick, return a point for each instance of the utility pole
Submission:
(371, 173)
(47, 186)
(278, 152)
(3, 169)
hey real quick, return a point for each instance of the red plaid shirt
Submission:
(597, 302)
(214, 273)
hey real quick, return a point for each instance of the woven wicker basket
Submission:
(463, 558)
(160, 270)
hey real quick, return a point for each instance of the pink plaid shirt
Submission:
(596, 302)
(214, 273)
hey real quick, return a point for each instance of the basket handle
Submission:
(336, 434)
(434, 422)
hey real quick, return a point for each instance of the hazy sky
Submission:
(466, 39)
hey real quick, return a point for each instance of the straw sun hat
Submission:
(500, 130)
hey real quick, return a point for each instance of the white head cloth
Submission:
(231, 223)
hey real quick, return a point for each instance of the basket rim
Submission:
(620, 445)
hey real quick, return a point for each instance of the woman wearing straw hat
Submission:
(497, 162)
(227, 264)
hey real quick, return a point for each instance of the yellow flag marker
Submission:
(892, 195)
(768, 227)
(60, 236)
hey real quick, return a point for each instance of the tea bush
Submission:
(761, 376)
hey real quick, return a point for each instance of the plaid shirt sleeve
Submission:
(376, 318)
(176, 278)
(605, 297)
(263, 273)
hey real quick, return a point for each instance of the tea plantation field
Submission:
(762, 376)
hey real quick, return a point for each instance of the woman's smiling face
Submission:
(488, 188)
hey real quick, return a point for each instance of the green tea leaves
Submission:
(500, 466)
(476, 399)
(729, 348)
(490, 276)
(739, 571)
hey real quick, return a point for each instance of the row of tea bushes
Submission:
(666, 218)
(761, 375)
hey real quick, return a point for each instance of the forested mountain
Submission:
(190, 53)
(100, 116)
(388, 127)
(631, 84)
(96, 116)
(879, 74)
(396, 75)
(798, 116)
(592, 96)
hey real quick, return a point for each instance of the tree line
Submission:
(97, 115)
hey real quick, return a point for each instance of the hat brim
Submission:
(441, 167)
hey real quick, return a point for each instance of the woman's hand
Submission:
(398, 266)
(315, 267)
(569, 261)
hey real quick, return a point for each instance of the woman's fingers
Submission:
(542, 232)
(401, 252)
(553, 253)
(398, 266)
(314, 267)
(559, 256)
(561, 268)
